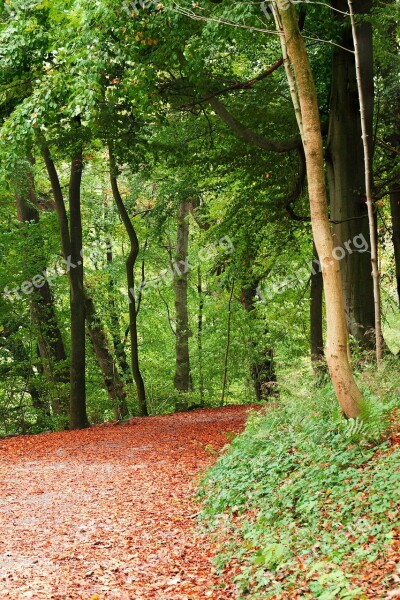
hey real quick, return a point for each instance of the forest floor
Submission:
(109, 512)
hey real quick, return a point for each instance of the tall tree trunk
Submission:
(262, 368)
(78, 417)
(395, 214)
(345, 161)
(114, 385)
(130, 275)
(228, 346)
(49, 338)
(367, 151)
(119, 346)
(71, 241)
(316, 317)
(348, 394)
(183, 379)
(200, 333)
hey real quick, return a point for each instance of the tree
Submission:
(337, 352)
(345, 162)
(183, 378)
(395, 216)
(71, 241)
(49, 337)
(130, 277)
(112, 380)
(316, 316)
(364, 113)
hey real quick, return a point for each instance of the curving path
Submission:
(108, 513)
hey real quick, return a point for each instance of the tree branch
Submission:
(251, 136)
(243, 85)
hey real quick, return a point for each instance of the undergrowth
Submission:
(304, 499)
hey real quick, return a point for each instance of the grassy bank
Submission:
(304, 503)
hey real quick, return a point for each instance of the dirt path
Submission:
(108, 512)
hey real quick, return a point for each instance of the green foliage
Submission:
(304, 498)
(140, 81)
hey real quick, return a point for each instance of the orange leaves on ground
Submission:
(108, 513)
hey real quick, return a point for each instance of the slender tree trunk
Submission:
(71, 240)
(316, 318)
(78, 416)
(262, 368)
(114, 385)
(183, 378)
(205, 226)
(228, 346)
(130, 275)
(340, 370)
(345, 162)
(51, 349)
(119, 346)
(49, 338)
(367, 141)
(200, 334)
(395, 214)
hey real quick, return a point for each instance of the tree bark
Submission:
(118, 343)
(200, 334)
(228, 345)
(71, 241)
(316, 318)
(49, 339)
(345, 162)
(113, 383)
(130, 275)
(183, 378)
(395, 215)
(348, 394)
(366, 136)
(78, 417)
(262, 368)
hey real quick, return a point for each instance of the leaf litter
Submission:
(109, 512)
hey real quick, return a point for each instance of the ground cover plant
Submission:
(306, 504)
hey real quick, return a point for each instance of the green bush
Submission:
(304, 497)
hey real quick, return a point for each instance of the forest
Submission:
(200, 239)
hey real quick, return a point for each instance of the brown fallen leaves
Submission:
(107, 513)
